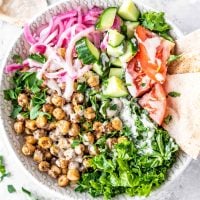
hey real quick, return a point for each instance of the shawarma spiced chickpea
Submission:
(28, 149)
(98, 127)
(44, 166)
(48, 108)
(22, 100)
(74, 130)
(38, 156)
(79, 149)
(117, 123)
(77, 98)
(89, 113)
(63, 181)
(31, 124)
(54, 150)
(73, 174)
(93, 80)
(30, 139)
(41, 121)
(88, 138)
(63, 126)
(63, 163)
(45, 142)
(58, 101)
(55, 171)
(19, 127)
(58, 113)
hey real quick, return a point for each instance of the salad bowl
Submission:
(14, 142)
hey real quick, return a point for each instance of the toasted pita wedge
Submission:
(185, 111)
(20, 11)
(187, 63)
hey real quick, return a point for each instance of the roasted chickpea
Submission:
(63, 143)
(31, 124)
(54, 150)
(58, 101)
(78, 109)
(28, 131)
(87, 125)
(55, 171)
(98, 127)
(63, 163)
(89, 113)
(23, 100)
(117, 123)
(63, 181)
(110, 142)
(47, 156)
(122, 139)
(108, 127)
(63, 126)
(52, 125)
(93, 81)
(58, 113)
(45, 142)
(98, 135)
(39, 133)
(73, 175)
(48, 108)
(30, 139)
(88, 138)
(86, 163)
(64, 171)
(79, 149)
(77, 98)
(61, 52)
(44, 166)
(19, 127)
(74, 130)
(93, 150)
(38, 156)
(69, 154)
(41, 121)
(28, 149)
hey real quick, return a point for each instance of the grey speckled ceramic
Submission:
(15, 142)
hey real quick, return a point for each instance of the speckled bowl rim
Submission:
(44, 187)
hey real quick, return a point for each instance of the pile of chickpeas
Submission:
(51, 142)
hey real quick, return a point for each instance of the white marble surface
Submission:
(186, 187)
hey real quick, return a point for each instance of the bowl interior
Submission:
(15, 142)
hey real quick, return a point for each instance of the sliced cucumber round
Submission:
(130, 28)
(118, 72)
(115, 38)
(114, 88)
(115, 51)
(98, 68)
(106, 19)
(86, 51)
(129, 11)
(116, 62)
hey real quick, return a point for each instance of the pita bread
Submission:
(185, 111)
(188, 62)
(20, 11)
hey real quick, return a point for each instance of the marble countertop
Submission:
(185, 14)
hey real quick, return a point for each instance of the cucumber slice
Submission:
(115, 51)
(86, 51)
(96, 67)
(114, 88)
(130, 28)
(116, 62)
(118, 72)
(115, 38)
(130, 52)
(106, 19)
(129, 11)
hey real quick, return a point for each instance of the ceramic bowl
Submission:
(15, 142)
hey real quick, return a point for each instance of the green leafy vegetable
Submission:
(81, 87)
(155, 21)
(172, 58)
(38, 57)
(75, 143)
(11, 189)
(17, 59)
(174, 94)
(3, 172)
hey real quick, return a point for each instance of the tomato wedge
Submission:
(154, 52)
(155, 103)
(140, 82)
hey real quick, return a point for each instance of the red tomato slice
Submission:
(154, 52)
(155, 103)
(140, 82)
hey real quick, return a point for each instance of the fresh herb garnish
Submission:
(143, 84)
(172, 58)
(3, 172)
(30, 195)
(11, 189)
(81, 87)
(75, 143)
(38, 57)
(174, 94)
(167, 119)
(113, 107)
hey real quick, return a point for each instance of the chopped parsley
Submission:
(3, 172)
(174, 94)
(38, 57)
(29, 194)
(11, 189)
(75, 143)
(167, 119)
(143, 84)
